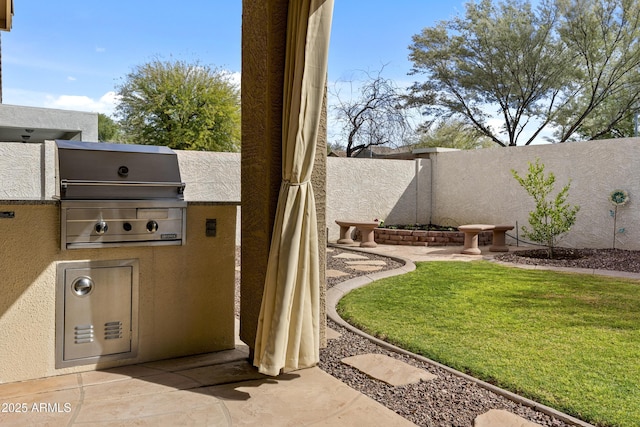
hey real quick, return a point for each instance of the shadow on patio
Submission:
(216, 389)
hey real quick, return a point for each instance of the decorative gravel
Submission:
(340, 264)
(602, 259)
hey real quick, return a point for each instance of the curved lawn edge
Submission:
(335, 294)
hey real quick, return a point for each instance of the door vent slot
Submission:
(112, 330)
(83, 334)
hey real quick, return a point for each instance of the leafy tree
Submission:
(453, 134)
(551, 218)
(601, 126)
(184, 106)
(499, 55)
(557, 66)
(374, 115)
(603, 36)
(108, 129)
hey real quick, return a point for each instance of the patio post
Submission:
(263, 69)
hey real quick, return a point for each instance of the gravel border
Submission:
(341, 264)
(594, 259)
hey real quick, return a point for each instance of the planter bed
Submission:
(388, 236)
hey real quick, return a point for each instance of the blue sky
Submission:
(71, 54)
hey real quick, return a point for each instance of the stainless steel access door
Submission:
(99, 311)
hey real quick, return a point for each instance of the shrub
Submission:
(552, 217)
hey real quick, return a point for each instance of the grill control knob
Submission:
(152, 226)
(101, 227)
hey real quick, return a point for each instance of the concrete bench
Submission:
(366, 231)
(499, 240)
(471, 237)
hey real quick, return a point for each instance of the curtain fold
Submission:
(288, 325)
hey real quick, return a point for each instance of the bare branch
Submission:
(375, 114)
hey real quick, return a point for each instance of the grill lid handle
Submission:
(65, 183)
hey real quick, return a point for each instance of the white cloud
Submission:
(105, 104)
(71, 78)
(100, 49)
(235, 78)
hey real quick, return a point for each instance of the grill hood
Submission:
(104, 171)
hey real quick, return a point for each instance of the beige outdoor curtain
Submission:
(289, 323)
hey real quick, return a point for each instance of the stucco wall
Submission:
(368, 189)
(210, 176)
(468, 186)
(20, 175)
(186, 293)
(477, 186)
(264, 34)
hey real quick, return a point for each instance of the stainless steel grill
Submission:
(119, 195)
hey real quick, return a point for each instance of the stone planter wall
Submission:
(387, 236)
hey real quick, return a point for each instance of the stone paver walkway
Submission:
(501, 418)
(384, 368)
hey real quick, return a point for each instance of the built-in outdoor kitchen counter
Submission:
(185, 293)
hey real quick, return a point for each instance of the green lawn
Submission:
(569, 341)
